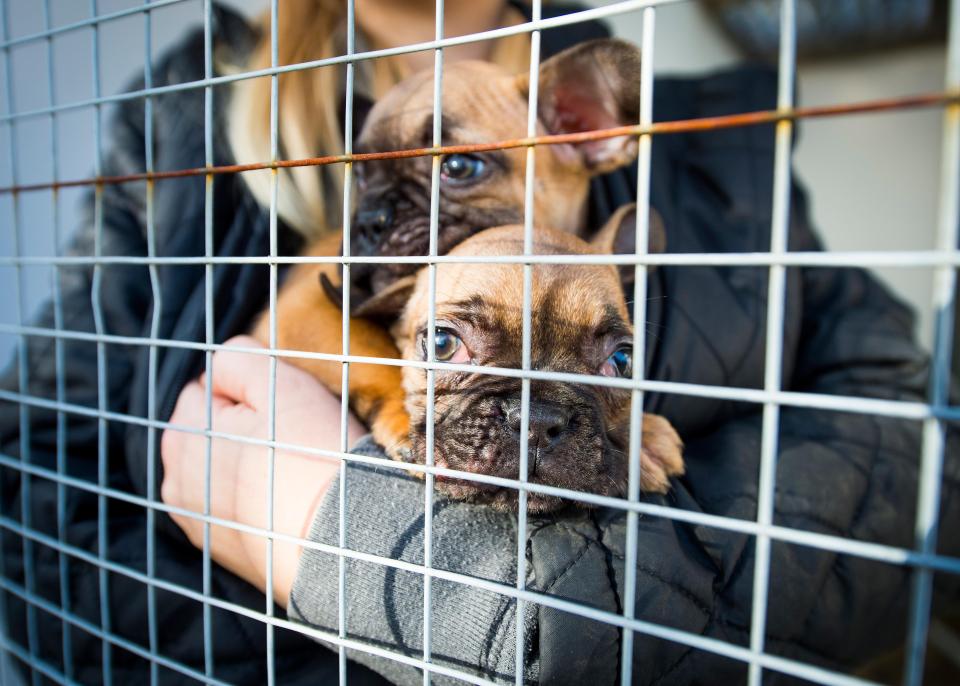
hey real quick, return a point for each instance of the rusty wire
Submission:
(936, 99)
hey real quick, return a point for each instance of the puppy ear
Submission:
(619, 236)
(593, 85)
(388, 303)
(334, 292)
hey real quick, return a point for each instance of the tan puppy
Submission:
(578, 433)
(594, 85)
(591, 86)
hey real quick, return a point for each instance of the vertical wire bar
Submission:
(345, 337)
(934, 430)
(5, 670)
(5, 651)
(66, 645)
(526, 336)
(100, 328)
(152, 352)
(208, 330)
(645, 146)
(431, 341)
(26, 508)
(272, 383)
(773, 363)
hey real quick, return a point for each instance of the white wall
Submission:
(873, 179)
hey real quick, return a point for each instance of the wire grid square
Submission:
(934, 414)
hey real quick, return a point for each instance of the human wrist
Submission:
(300, 484)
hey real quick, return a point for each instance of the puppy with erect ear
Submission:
(578, 433)
(592, 85)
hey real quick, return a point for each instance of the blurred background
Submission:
(873, 179)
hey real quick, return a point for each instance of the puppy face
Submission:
(591, 86)
(578, 433)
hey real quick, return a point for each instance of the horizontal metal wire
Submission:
(36, 663)
(890, 408)
(873, 551)
(84, 23)
(516, 29)
(902, 409)
(715, 646)
(154, 582)
(94, 630)
(938, 99)
(836, 259)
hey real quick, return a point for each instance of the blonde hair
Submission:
(309, 107)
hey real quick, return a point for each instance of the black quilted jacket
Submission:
(839, 473)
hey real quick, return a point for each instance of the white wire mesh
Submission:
(345, 309)
(208, 330)
(644, 162)
(934, 414)
(436, 140)
(526, 336)
(776, 295)
(934, 429)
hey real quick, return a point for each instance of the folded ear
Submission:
(334, 292)
(388, 303)
(619, 236)
(593, 85)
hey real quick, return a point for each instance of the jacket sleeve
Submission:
(473, 629)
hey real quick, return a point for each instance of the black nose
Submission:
(370, 223)
(548, 421)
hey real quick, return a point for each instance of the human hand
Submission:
(306, 413)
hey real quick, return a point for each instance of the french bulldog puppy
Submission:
(594, 85)
(578, 433)
(591, 86)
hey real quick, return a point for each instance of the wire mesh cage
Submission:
(32, 482)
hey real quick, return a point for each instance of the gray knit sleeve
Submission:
(473, 630)
(575, 555)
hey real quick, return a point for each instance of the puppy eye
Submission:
(461, 168)
(620, 363)
(447, 347)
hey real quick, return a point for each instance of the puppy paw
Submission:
(661, 454)
(391, 429)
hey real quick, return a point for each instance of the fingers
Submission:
(185, 413)
(191, 407)
(195, 402)
(181, 449)
(244, 377)
(241, 377)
